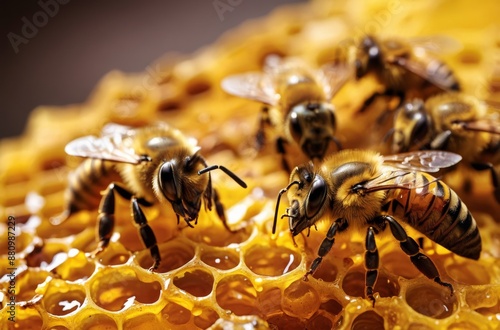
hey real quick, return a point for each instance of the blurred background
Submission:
(55, 51)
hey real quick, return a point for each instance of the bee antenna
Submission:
(225, 170)
(282, 191)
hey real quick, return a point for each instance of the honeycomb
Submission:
(250, 279)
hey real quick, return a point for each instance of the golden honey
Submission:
(250, 279)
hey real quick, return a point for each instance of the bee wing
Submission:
(393, 179)
(253, 85)
(439, 44)
(117, 129)
(434, 73)
(113, 146)
(333, 76)
(426, 160)
(481, 125)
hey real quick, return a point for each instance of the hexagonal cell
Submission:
(174, 254)
(142, 322)
(217, 235)
(32, 322)
(431, 300)
(269, 301)
(116, 289)
(271, 261)
(468, 272)
(368, 320)
(326, 272)
(28, 281)
(237, 294)
(396, 262)
(300, 299)
(205, 318)
(41, 255)
(75, 267)
(175, 314)
(131, 239)
(220, 258)
(197, 282)
(320, 321)
(114, 254)
(353, 284)
(62, 298)
(331, 306)
(284, 321)
(95, 321)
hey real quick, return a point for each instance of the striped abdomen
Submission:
(87, 182)
(437, 212)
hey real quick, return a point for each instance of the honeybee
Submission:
(406, 67)
(454, 122)
(296, 101)
(362, 189)
(153, 164)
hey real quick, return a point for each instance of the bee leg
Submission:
(325, 246)
(219, 208)
(265, 120)
(280, 147)
(423, 263)
(495, 180)
(106, 218)
(371, 263)
(147, 234)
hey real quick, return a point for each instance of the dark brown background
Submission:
(86, 39)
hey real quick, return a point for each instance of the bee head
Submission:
(412, 126)
(312, 127)
(180, 184)
(307, 199)
(368, 54)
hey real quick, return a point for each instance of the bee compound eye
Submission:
(316, 197)
(294, 126)
(167, 181)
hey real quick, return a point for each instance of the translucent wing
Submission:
(394, 179)
(439, 44)
(253, 85)
(432, 70)
(115, 144)
(117, 129)
(426, 160)
(333, 76)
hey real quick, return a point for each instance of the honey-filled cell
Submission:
(237, 294)
(175, 254)
(431, 300)
(220, 258)
(271, 261)
(197, 282)
(116, 289)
